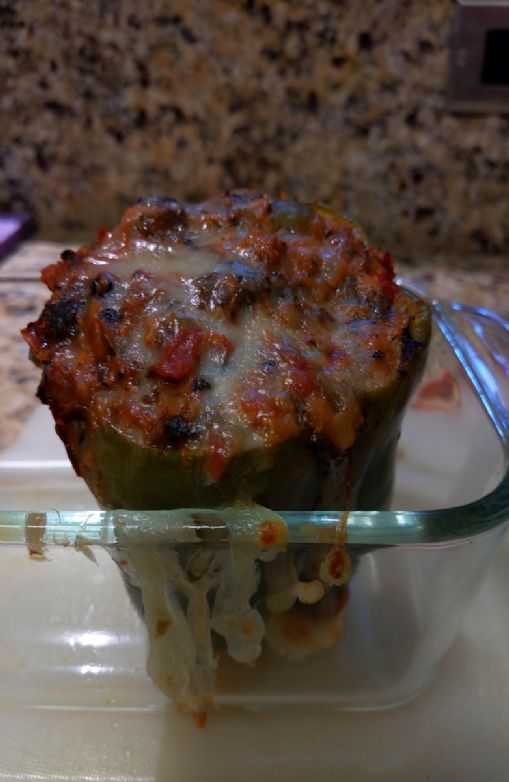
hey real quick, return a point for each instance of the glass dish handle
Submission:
(480, 340)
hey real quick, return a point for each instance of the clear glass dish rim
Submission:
(367, 528)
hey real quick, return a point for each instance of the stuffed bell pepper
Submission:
(242, 350)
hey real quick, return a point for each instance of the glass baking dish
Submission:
(74, 637)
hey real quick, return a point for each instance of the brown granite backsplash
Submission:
(107, 100)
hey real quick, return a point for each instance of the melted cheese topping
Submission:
(220, 328)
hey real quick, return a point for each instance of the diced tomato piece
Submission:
(180, 356)
(272, 413)
(300, 376)
(256, 402)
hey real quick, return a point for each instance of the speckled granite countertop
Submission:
(481, 282)
(334, 100)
